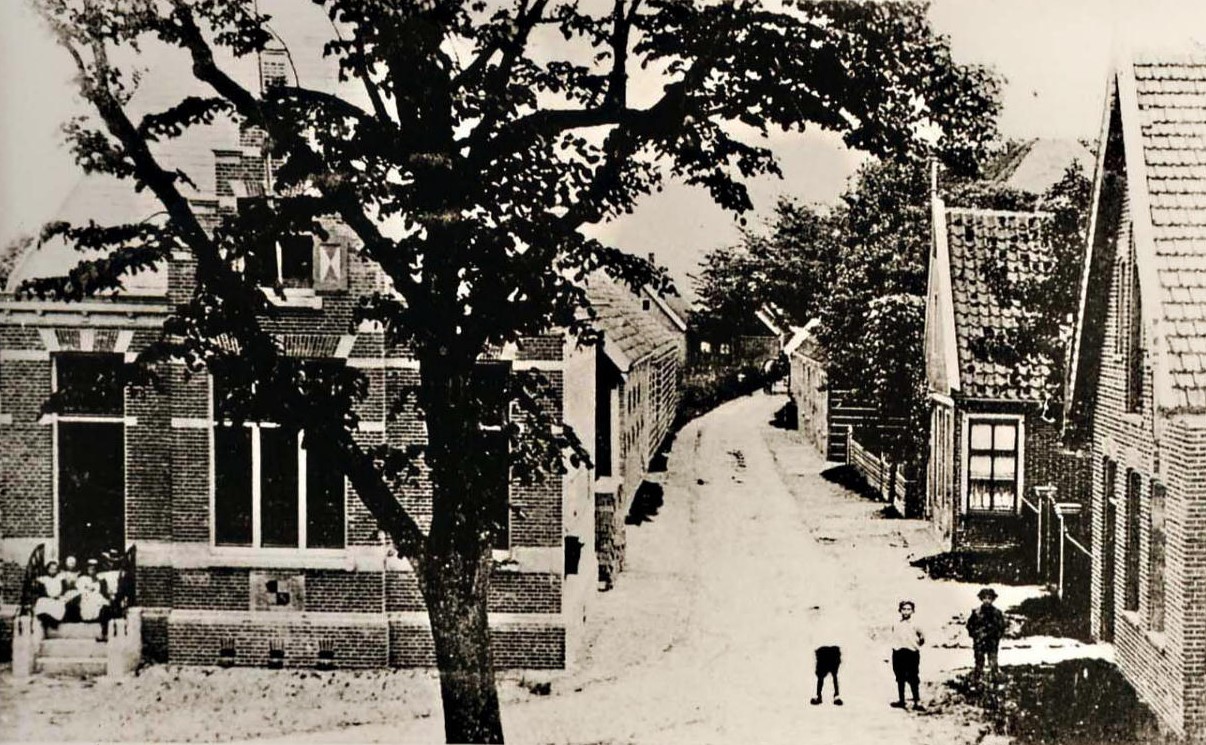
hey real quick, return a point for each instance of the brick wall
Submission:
(807, 385)
(199, 641)
(527, 646)
(1154, 662)
(26, 462)
(148, 468)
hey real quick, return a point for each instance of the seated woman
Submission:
(111, 579)
(51, 605)
(94, 604)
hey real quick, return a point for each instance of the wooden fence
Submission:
(880, 475)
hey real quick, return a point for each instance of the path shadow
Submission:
(1048, 615)
(989, 567)
(645, 503)
(660, 460)
(846, 477)
(1075, 702)
(786, 417)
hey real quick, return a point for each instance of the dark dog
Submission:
(829, 659)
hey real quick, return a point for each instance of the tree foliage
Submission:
(466, 166)
(790, 266)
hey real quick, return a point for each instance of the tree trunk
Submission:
(454, 568)
(454, 588)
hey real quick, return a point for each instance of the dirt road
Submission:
(753, 559)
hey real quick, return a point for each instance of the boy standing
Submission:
(829, 659)
(907, 640)
(986, 625)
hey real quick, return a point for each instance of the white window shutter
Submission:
(330, 267)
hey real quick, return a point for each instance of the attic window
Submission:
(645, 304)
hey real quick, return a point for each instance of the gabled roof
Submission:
(978, 243)
(629, 333)
(1171, 97)
(677, 319)
(1159, 105)
(770, 316)
(805, 343)
(1037, 164)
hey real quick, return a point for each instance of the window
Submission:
(1156, 559)
(1134, 348)
(90, 384)
(270, 490)
(992, 466)
(90, 453)
(292, 263)
(1133, 485)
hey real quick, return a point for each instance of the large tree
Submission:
(468, 176)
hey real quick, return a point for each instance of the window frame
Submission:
(124, 419)
(1018, 421)
(256, 544)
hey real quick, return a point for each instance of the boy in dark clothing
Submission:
(986, 625)
(829, 659)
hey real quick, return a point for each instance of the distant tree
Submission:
(789, 265)
(893, 374)
(468, 177)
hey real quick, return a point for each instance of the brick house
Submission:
(638, 385)
(993, 440)
(247, 548)
(1137, 386)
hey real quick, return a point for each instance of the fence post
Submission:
(1045, 496)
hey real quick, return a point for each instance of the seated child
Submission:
(54, 594)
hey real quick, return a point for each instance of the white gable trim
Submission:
(1141, 226)
(1073, 371)
(939, 290)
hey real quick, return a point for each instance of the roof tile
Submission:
(980, 242)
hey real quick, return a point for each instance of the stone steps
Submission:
(72, 666)
(74, 631)
(72, 649)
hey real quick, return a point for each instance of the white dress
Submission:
(92, 600)
(53, 603)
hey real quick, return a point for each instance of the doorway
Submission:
(92, 486)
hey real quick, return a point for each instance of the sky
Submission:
(1054, 56)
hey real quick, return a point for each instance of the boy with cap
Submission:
(907, 640)
(986, 625)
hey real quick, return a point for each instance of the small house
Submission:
(993, 437)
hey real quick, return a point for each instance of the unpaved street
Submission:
(753, 560)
